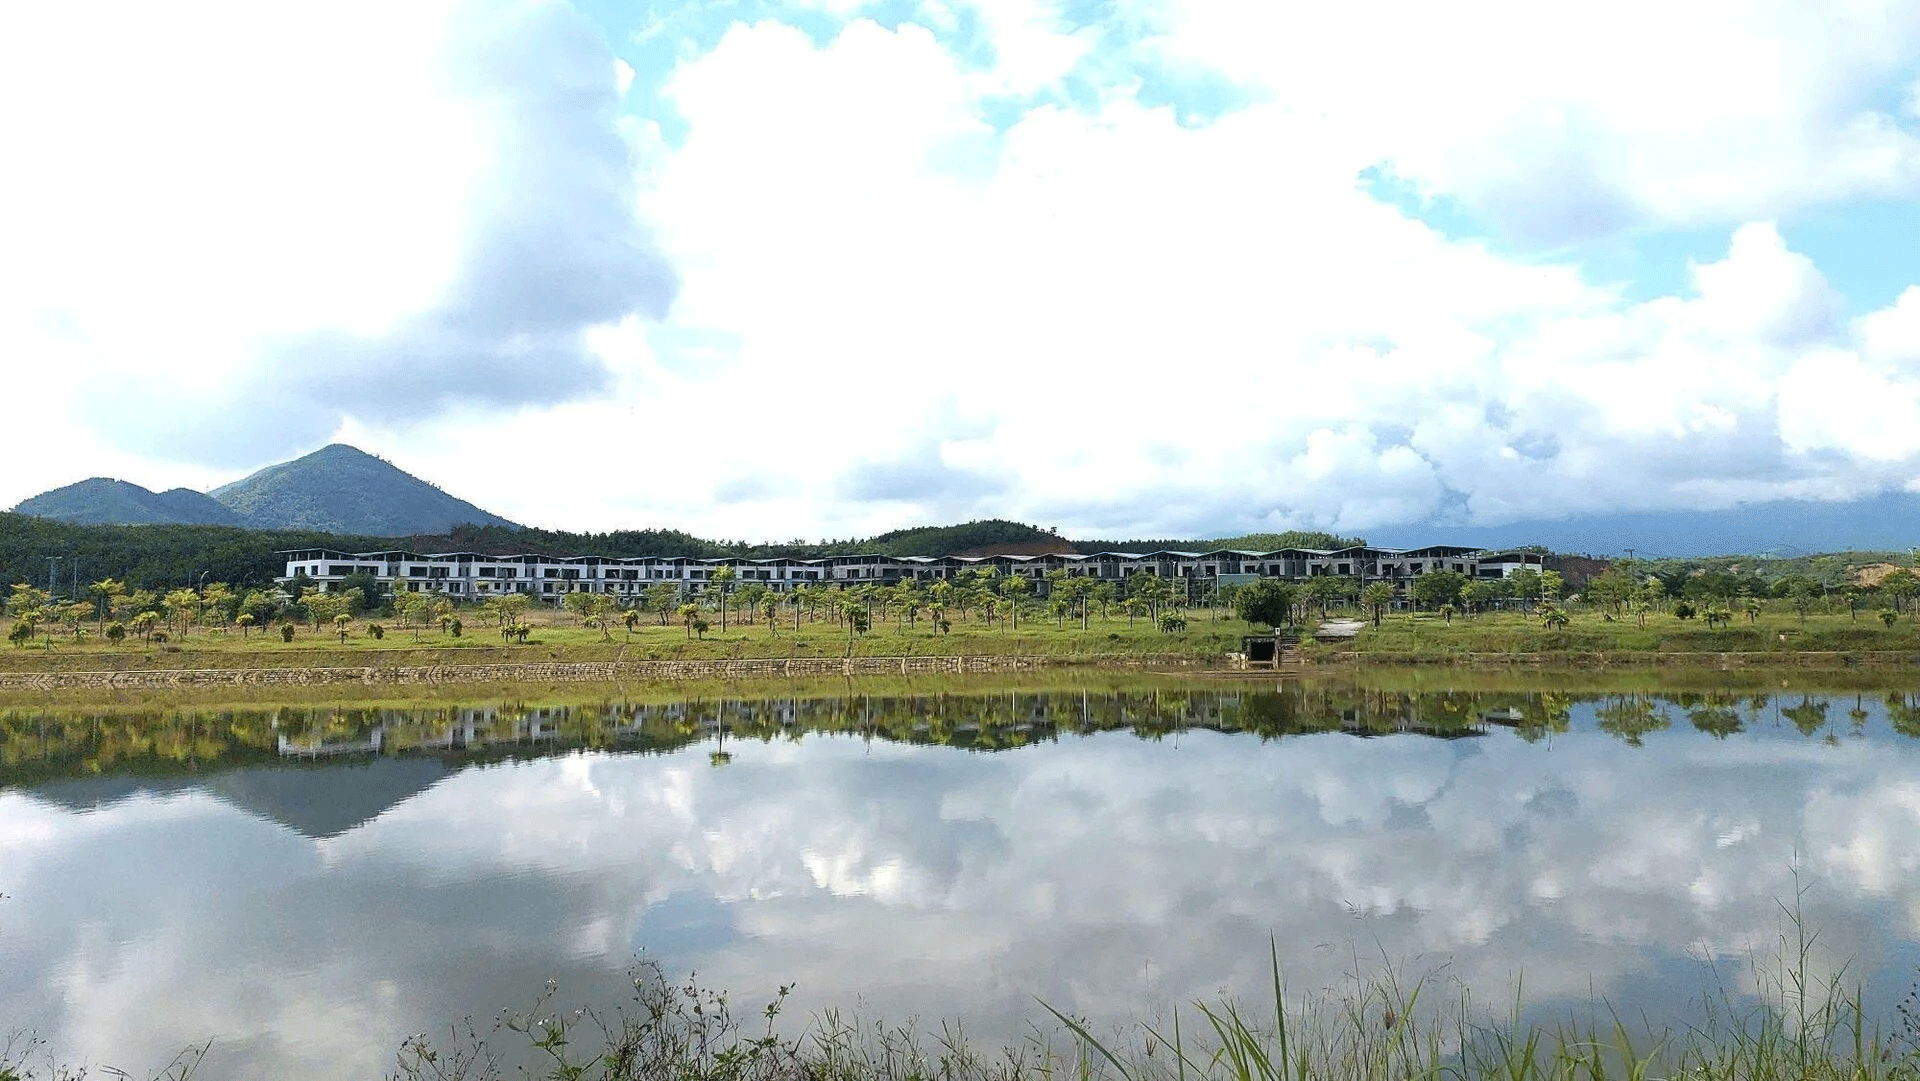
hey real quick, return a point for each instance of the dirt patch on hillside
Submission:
(1873, 573)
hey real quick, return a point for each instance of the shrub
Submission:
(1683, 610)
(286, 632)
(376, 631)
(454, 628)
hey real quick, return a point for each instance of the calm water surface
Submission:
(306, 888)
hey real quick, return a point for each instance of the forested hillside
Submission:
(1248, 542)
(100, 500)
(150, 556)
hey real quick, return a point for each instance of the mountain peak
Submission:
(343, 489)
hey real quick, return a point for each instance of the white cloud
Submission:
(973, 269)
(1566, 121)
(240, 227)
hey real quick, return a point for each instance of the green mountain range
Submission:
(336, 489)
(99, 501)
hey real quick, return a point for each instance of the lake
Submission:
(306, 887)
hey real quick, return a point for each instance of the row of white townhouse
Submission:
(473, 575)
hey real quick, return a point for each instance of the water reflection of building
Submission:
(318, 745)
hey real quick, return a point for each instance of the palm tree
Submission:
(1377, 597)
(722, 581)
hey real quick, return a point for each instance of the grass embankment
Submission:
(1208, 637)
(1423, 634)
(557, 638)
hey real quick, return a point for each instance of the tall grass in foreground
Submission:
(1377, 1029)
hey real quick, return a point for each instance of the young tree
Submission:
(1901, 585)
(662, 599)
(600, 612)
(1015, 591)
(1101, 593)
(748, 597)
(218, 598)
(1268, 601)
(1803, 595)
(1611, 590)
(722, 584)
(1325, 589)
(1476, 595)
(1377, 597)
(183, 606)
(75, 613)
(580, 603)
(1552, 585)
(107, 593)
(261, 606)
(1526, 584)
(25, 599)
(1438, 588)
(854, 611)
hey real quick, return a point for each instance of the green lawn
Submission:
(1208, 635)
(1663, 632)
(558, 636)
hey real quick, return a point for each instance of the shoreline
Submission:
(554, 672)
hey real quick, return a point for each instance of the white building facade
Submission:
(474, 576)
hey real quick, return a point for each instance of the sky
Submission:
(830, 267)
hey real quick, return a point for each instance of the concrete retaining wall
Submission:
(568, 672)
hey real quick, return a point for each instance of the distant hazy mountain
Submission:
(339, 489)
(99, 501)
(1889, 522)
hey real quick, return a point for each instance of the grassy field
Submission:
(559, 637)
(1423, 633)
(1208, 634)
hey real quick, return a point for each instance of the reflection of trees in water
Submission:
(36, 746)
(1632, 717)
(1809, 716)
(1718, 715)
(1903, 714)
